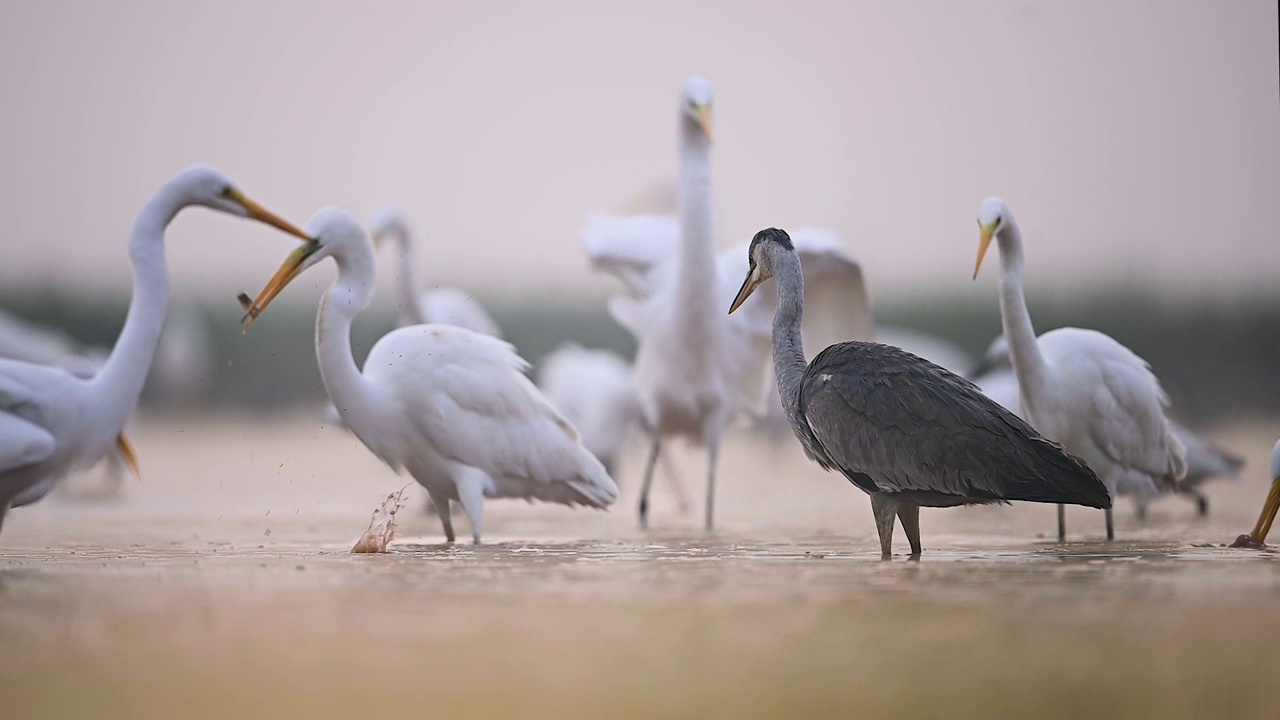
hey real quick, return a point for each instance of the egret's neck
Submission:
(118, 385)
(408, 280)
(346, 297)
(788, 348)
(696, 283)
(1028, 363)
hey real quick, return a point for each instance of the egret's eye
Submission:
(228, 192)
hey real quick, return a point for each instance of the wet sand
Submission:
(220, 585)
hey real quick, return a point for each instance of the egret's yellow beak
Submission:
(126, 453)
(984, 241)
(1268, 516)
(377, 236)
(289, 270)
(704, 121)
(754, 278)
(263, 215)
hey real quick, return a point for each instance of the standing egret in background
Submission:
(596, 391)
(1205, 461)
(451, 406)
(1257, 538)
(906, 431)
(697, 369)
(442, 305)
(1080, 387)
(52, 421)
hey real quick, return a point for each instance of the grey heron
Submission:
(1080, 387)
(907, 432)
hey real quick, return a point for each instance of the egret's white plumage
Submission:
(1205, 461)
(697, 368)
(1082, 388)
(451, 406)
(52, 421)
(440, 305)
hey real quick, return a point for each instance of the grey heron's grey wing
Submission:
(914, 427)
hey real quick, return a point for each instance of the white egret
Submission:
(1080, 387)
(907, 432)
(1258, 536)
(451, 406)
(596, 391)
(52, 421)
(1205, 461)
(696, 369)
(441, 305)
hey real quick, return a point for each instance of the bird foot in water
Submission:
(1247, 541)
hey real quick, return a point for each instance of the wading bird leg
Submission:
(885, 509)
(1111, 528)
(677, 486)
(1202, 502)
(1062, 523)
(648, 480)
(441, 506)
(1257, 538)
(471, 497)
(713, 454)
(909, 514)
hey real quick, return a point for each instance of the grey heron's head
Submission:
(993, 215)
(331, 231)
(760, 255)
(695, 103)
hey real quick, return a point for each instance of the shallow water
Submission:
(222, 584)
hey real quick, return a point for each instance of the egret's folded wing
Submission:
(638, 249)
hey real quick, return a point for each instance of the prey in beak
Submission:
(1257, 538)
(984, 242)
(263, 215)
(290, 269)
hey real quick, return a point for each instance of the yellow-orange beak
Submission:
(126, 453)
(263, 215)
(1268, 516)
(704, 120)
(754, 278)
(289, 270)
(984, 242)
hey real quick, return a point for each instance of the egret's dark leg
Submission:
(1062, 523)
(1202, 502)
(1111, 529)
(885, 509)
(677, 486)
(648, 480)
(443, 510)
(713, 454)
(1141, 511)
(909, 514)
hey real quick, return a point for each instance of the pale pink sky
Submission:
(1132, 138)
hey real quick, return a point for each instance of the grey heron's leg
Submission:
(885, 509)
(648, 480)
(1111, 529)
(471, 497)
(909, 514)
(1062, 523)
(440, 504)
(677, 486)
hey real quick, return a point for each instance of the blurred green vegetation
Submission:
(1218, 358)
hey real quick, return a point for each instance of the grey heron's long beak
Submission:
(754, 278)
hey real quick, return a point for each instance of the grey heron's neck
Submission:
(1028, 363)
(788, 347)
(696, 281)
(118, 385)
(410, 287)
(349, 294)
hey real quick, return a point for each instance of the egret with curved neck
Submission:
(907, 432)
(1082, 388)
(451, 406)
(52, 421)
